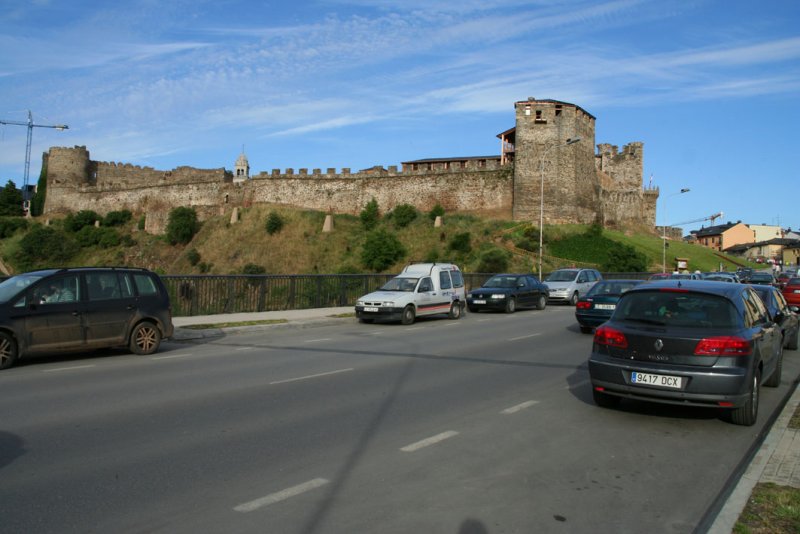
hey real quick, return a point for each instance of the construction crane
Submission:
(713, 217)
(31, 125)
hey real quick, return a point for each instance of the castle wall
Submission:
(624, 167)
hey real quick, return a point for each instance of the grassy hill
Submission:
(300, 247)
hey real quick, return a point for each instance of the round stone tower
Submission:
(571, 186)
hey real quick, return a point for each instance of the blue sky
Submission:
(710, 87)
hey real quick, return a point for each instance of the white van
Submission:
(421, 289)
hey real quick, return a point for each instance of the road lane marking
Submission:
(310, 376)
(524, 337)
(170, 357)
(67, 368)
(282, 495)
(316, 340)
(415, 328)
(245, 348)
(429, 441)
(518, 407)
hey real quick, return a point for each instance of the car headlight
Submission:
(388, 304)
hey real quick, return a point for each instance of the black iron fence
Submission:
(214, 294)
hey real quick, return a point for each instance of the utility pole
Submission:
(30, 125)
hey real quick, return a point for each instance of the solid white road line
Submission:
(524, 337)
(310, 376)
(171, 356)
(245, 348)
(429, 441)
(67, 368)
(281, 495)
(518, 407)
(316, 340)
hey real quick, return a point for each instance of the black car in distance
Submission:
(688, 343)
(507, 292)
(67, 310)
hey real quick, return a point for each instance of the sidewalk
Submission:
(777, 460)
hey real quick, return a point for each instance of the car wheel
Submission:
(145, 338)
(605, 400)
(792, 343)
(747, 414)
(511, 305)
(586, 329)
(775, 380)
(8, 350)
(541, 303)
(573, 300)
(455, 311)
(408, 315)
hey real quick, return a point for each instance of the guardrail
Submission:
(214, 294)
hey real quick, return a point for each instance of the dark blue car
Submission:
(600, 302)
(507, 292)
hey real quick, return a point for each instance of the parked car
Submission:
(685, 276)
(568, 285)
(508, 292)
(721, 277)
(421, 289)
(659, 276)
(744, 274)
(688, 343)
(761, 277)
(599, 303)
(782, 279)
(791, 291)
(62, 310)
(782, 313)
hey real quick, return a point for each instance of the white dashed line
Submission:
(524, 337)
(429, 441)
(518, 407)
(310, 376)
(281, 495)
(67, 368)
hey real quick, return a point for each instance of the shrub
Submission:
(117, 218)
(204, 267)
(141, 223)
(403, 215)
(493, 260)
(624, 259)
(193, 256)
(274, 223)
(75, 221)
(182, 225)
(436, 211)
(45, 246)
(460, 243)
(89, 236)
(369, 215)
(252, 268)
(10, 225)
(382, 249)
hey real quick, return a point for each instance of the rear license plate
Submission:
(370, 309)
(656, 380)
(605, 306)
(479, 302)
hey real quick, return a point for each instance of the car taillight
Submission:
(723, 346)
(583, 305)
(611, 337)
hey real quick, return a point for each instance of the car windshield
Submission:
(611, 288)
(15, 284)
(502, 281)
(562, 276)
(401, 284)
(684, 309)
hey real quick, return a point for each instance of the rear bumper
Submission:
(707, 387)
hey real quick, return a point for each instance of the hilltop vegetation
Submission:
(280, 240)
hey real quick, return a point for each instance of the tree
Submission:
(182, 225)
(370, 215)
(45, 246)
(493, 261)
(10, 200)
(403, 215)
(624, 259)
(382, 249)
(274, 223)
(37, 202)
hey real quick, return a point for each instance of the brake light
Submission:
(611, 337)
(723, 346)
(583, 305)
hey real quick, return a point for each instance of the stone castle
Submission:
(580, 185)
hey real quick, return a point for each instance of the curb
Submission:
(191, 334)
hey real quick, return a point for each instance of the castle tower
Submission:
(241, 169)
(570, 181)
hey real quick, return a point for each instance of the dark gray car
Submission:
(65, 310)
(689, 343)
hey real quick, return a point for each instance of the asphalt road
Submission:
(481, 425)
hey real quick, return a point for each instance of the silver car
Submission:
(568, 285)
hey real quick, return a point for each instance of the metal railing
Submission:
(215, 294)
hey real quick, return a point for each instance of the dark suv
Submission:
(63, 310)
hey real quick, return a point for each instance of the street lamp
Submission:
(664, 231)
(569, 141)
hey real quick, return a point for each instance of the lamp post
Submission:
(664, 232)
(569, 141)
